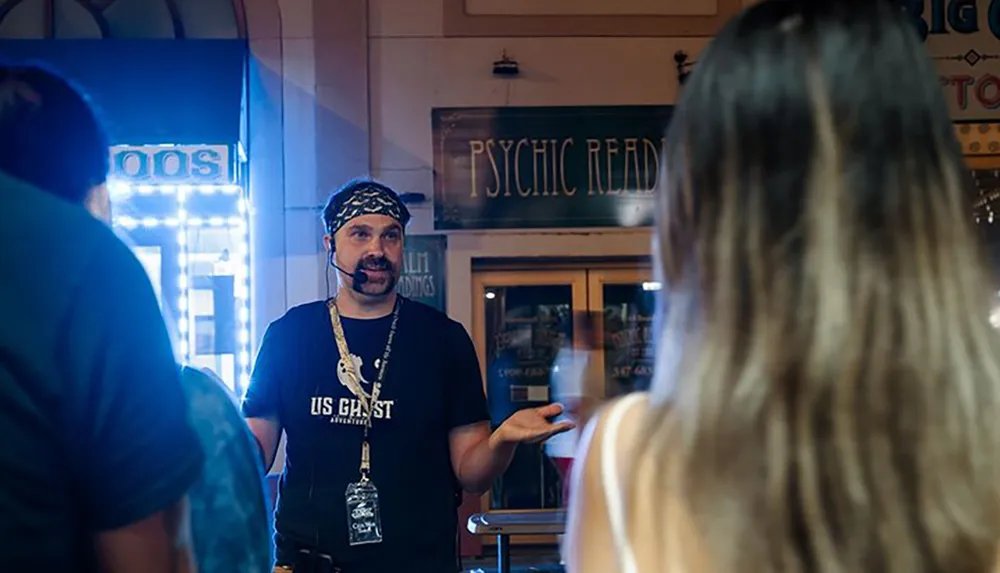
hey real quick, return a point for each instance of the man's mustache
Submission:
(375, 264)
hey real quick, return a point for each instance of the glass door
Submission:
(523, 320)
(625, 301)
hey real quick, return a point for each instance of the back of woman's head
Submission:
(833, 407)
(50, 136)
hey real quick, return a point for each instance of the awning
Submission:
(152, 91)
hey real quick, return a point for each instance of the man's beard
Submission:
(370, 287)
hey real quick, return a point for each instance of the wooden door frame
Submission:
(481, 280)
(586, 280)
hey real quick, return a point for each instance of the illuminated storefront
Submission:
(962, 40)
(184, 210)
(175, 112)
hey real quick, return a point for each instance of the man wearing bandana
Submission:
(381, 399)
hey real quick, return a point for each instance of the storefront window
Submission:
(985, 202)
(193, 240)
(216, 314)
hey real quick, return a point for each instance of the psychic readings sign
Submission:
(546, 167)
(423, 276)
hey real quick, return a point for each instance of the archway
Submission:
(139, 19)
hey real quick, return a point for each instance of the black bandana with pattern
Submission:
(371, 200)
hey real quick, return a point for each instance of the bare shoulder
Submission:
(616, 425)
(590, 545)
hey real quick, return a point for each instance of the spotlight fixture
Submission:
(505, 66)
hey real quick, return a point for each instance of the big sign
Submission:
(963, 39)
(546, 167)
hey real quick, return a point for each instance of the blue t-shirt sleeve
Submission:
(134, 452)
(229, 515)
(466, 398)
(262, 398)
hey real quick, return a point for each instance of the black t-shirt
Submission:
(93, 418)
(432, 385)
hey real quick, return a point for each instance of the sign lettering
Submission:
(962, 39)
(171, 164)
(547, 167)
(936, 17)
(423, 276)
(537, 167)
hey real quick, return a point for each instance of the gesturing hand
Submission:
(532, 425)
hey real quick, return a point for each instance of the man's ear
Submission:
(98, 202)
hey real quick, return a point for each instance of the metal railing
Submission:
(506, 523)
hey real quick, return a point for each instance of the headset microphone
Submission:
(359, 276)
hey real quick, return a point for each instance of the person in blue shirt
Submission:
(166, 434)
(229, 510)
(98, 455)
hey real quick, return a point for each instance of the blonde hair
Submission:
(833, 407)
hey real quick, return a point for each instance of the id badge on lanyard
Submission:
(364, 520)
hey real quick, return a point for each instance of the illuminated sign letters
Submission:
(172, 163)
(961, 37)
(934, 17)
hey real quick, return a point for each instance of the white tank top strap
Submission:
(614, 494)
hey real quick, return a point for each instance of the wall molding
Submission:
(459, 23)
